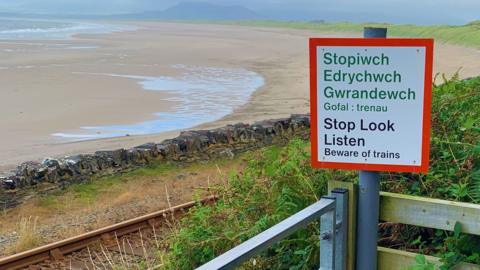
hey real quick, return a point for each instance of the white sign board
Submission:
(371, 103)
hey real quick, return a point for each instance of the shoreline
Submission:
(58, 148)
(284, 67)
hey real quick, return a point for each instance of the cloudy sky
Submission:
(398, 11)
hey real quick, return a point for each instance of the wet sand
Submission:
(46, 87)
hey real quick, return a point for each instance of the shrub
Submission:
(280, 181)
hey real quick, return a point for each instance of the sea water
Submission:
(38, 29)
(202, 94)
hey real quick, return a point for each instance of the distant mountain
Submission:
(181, 11)
(197, 11)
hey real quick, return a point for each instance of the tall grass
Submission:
(28, 236)
(280, 181)
(276, 183)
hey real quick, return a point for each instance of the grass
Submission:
(28, 236)
(467, 35)
(280, 181)
(87, 193)
(83, 207)
(276, 183)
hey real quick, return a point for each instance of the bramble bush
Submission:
(276, 183)
(279, 181)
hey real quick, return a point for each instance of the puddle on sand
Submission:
(203, 94)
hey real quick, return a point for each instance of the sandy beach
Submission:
(54, 86)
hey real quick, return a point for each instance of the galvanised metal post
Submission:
(334, 233)
(341, 210)
(368, 200)
(328, 242)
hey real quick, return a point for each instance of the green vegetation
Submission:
(422, 264)
(455, 146)
(28, 235)
(468, 35)
(88, 192)
(278, 182)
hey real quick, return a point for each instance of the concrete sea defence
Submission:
(31, 179)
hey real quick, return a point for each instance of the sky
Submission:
(395, 11)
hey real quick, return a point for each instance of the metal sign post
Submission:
(370, 111)
(368, 200)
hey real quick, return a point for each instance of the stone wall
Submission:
(35, 178)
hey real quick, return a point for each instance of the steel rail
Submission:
(58, 249)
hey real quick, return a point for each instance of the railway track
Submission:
(105, 240)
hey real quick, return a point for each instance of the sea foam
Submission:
(199, 95)
(36, 29)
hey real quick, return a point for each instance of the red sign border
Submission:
(381, 42)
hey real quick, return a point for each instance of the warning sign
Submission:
(370, 103)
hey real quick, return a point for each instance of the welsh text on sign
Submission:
(370, 103)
